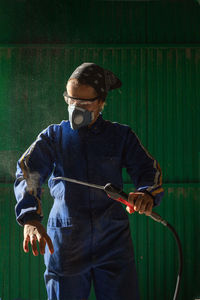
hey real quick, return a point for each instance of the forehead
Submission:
(80, 90)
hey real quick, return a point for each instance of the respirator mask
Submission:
(79, 117)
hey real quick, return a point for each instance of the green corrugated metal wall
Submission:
(159, 99)
(99, 21)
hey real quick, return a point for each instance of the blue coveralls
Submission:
(90, 231)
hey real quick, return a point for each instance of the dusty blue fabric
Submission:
(110, 281)
(89, 230)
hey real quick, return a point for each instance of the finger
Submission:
(143, 205)
(42, 244)
(129, 210)
(132, 198)
(138, 203)
(148, 210)
(34, 245)
(25, 243)
(49, 243)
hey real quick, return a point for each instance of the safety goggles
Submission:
(73, 100)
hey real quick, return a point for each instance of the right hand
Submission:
(34, 231)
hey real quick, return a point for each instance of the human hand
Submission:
(142, 202)
(34, 231)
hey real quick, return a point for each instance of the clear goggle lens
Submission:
(78, 101)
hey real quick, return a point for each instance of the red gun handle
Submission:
(126, 203)
(118, 194)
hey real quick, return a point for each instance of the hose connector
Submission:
(156, 217)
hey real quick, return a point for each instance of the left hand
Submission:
(34, 231)
(142, 202)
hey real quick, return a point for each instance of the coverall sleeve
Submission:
(143, 169)
(33, 168)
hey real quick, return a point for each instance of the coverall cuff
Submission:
(156, 199)
(27, 206)
(32, 216)
(147, 192)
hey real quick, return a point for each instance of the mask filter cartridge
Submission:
(79, 117)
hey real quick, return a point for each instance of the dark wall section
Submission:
(35, 21)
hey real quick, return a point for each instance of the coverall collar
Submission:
(96, 128)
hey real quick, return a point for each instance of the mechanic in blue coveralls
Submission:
(88, 236)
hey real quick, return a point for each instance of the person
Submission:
(88, 233)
